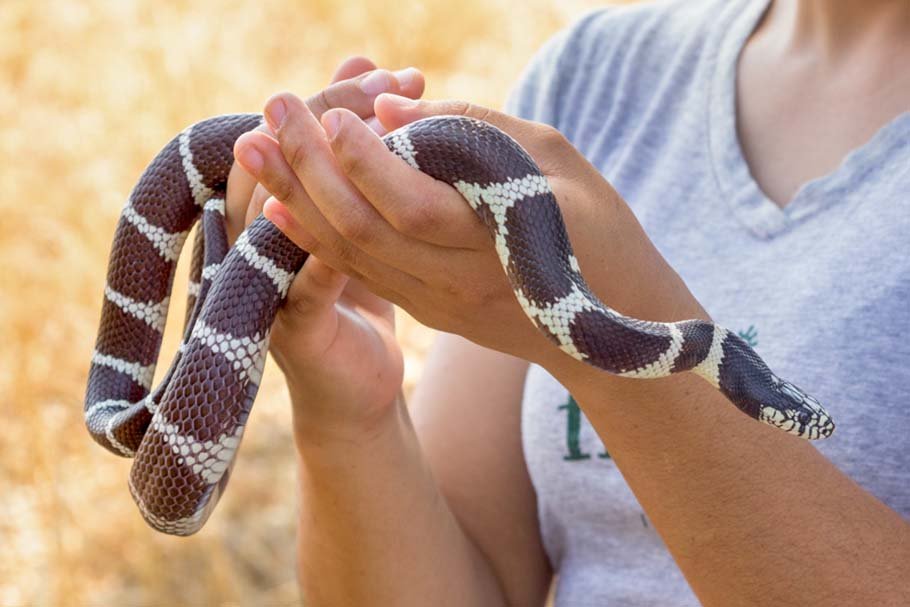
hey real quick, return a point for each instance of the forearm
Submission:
(751, 515)
(374, 528)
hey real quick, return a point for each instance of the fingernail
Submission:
(250, 158)
(406, 76)
(331, 121)
(402, 102)
(375, 125)
(376, 82)
(275, 113)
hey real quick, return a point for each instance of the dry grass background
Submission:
(89, 91)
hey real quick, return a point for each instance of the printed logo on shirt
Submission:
(573, 416)
(750, 336)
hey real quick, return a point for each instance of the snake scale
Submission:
(184, 435)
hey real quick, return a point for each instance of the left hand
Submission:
(339, 193)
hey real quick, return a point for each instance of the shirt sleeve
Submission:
(535, 96)
(545, 81)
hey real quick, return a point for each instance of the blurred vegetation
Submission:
(89, 91)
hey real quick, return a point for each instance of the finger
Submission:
(375, 125)
(358, 93)
(411, 81)
(542, 142)
(278, 214)
(385, 281)
(241, 185)
(257, 201)
(350, 88)
(303, 144)
(415, 204)
(395, 111)
(352, 67)
(260, 155)
(315, 289)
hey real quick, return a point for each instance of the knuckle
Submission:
(417, 220)
(457, 292)
(346, 252)
(356, 228)
(281, 188)
(470, 110)
(479, 112)
(321, 102)
(351, 160)
(460, 107)
(300, 304)
(296, 155)
(552, 137)
(477, 296)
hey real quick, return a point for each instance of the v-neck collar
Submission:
(751, 206)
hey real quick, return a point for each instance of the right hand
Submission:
(333, 339)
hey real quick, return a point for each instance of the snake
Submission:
(184, 434)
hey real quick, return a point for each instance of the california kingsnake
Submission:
(185, 434)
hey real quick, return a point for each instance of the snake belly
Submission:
(184, 435)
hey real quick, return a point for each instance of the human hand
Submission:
(334, 340)
(363, 211)
(348, 89)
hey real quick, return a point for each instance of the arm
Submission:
(374, 528)
(391, 515)
(385, 519)
(752, 517)
(467, 412)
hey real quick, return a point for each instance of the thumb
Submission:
(308, 320)
(395, 111)
(315, 289)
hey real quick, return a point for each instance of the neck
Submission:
(835, 27)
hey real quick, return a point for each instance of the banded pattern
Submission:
(185, 434)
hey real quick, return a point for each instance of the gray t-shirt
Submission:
(821, 287)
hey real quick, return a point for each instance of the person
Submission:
(760, 152)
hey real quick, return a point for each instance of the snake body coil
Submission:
(184, 435)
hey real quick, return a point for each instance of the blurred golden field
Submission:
(89, 91)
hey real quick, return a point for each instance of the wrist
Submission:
(333, 427)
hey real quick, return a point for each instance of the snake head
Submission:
(795, 412)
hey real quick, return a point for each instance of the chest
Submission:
(798, 120)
